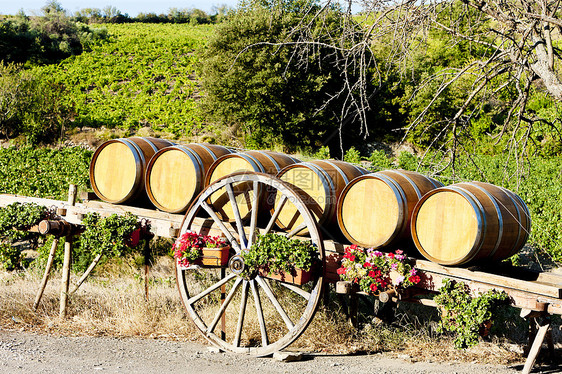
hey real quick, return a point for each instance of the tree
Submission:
(258, 79)
(514, 56)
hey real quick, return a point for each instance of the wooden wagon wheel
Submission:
(218, 299)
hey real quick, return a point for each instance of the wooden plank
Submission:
(536, 348)
(519, 298)
(493, 279)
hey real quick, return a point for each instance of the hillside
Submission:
(142, 77)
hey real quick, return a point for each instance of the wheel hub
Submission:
(236, 264)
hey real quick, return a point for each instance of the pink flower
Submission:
(399, 252)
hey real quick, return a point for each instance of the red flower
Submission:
(372, 274)
(391, 255)
(415, 279)
(342, 270)
(373, 287)
(367, 265)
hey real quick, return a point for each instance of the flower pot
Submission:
(301, 276)
(215, 256)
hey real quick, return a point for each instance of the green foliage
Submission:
(10, 257)
(107, 235)
(45, 39)
(254, 83)
(17, 218)
(380, 160)
(464, 314)
(407, 161)
(323, 153)
(276, 253)
(142, 77)
(43, 172)
(31, 105)
(352, 155)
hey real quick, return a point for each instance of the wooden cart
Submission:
(262, 315)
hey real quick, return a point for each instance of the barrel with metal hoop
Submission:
(375, 209)
(176, 174)
(118, 166)
(470, 223)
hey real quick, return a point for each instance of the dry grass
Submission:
(115, 305)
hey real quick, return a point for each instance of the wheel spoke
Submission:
(241, 234)
(296, 230)
(297, 290)
(224, 305)
(254, 217)
(241, 315)
(275, 303)
(275, 214)
(221, 225)
(259, 312)
(199, 296)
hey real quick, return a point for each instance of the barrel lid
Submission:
(115, 171)
(447, 226)
(174, 177)
(371, 211)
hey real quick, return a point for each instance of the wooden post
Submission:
(47, 272)
(146, 251)
(223, 296)
(72, 192)
(65, 281)
(537, 344)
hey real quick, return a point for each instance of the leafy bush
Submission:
(10, 257)
(31, 105)
(352, 155)
(45, 39)
(253, 82)
(43, 172)
(276, 253)
(15, 220)
(108, 236)
(380, 161)
(466, 315)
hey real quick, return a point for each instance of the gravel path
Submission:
(24, 352)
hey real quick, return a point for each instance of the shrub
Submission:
(253, 82)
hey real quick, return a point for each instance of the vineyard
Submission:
(142, 77)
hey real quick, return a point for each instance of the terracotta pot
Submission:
(215, 256)
(301, 277)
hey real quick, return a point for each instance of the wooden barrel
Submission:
(468, 223)
(249, 161)
(375, 209)
(175, 175)
(118, 166)
(322, 182)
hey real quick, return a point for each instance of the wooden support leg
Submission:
(223, 297)
(47, 272)
(353, 309)
(537, 343)
(146, 251)
(65, 281)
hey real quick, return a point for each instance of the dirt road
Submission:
(24, 352)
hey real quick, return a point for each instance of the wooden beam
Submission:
(535, 287)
